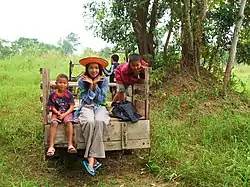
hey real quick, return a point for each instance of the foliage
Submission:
(127, 23)
(33, 46)
(5, 50)
(69, 44)
(110, 23)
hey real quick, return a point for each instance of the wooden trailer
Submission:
(120, 135)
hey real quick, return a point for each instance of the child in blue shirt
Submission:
(92, 113)
(111, 72)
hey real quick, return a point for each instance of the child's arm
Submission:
(51, 104)
(110, 71)
(69, 111)
(101, 91)
(85, 93)
(118, 75)
(71, 102)
(55, 111)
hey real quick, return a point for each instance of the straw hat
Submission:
(97, 60)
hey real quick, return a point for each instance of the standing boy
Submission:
(111, 72)
(129, 73)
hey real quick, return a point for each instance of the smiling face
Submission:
(93, 70)
(61, 84)
(135, 66)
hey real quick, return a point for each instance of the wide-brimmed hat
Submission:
(97, 60)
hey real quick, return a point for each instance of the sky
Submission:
(46, 20)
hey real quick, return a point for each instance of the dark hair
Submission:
(115, 57)
(62, 76)
(87, 73)
(134, 57)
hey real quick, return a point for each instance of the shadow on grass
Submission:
(118, 167)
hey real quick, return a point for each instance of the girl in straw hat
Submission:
(92, 113)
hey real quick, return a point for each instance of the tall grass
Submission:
(205, 143)
(242, 73)
(20, 112)
(209, 147)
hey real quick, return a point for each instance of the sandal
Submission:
(71, 149)
(51, 151)
(89, 169)
(97, 165)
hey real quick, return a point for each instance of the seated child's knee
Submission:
(121, 88)
(54, 124)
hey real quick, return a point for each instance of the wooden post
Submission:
(147, 71)
(124, 135)
(46, 92)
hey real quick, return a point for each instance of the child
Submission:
(61, 102)
(93, 115)
(128, 74)
(111, 72)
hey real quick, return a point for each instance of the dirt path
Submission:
(128, 170)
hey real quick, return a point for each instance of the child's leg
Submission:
(120, 96)
(69, 132)
(91, 161)
(52, 133)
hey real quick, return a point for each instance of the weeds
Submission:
(205, 149)
(197, 139)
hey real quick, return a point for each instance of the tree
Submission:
(234, 45)
(127, 22)
(5, 50)
(69, 44)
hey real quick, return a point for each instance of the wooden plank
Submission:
(74, 84)
(124, 135)
(46, 91)
(140, 107)
(139, 92)
(60, 137)
(117, 145)
(134, 131)
(147, 72)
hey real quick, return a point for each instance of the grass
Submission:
(207, 148)
(242, 73)
(196, 141)
(21, 136)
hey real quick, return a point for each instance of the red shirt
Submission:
(124, 74)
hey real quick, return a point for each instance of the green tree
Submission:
(69, 44)
(5, 49)
(127, 23)
(233, 48)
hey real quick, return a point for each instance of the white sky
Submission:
(46, 20)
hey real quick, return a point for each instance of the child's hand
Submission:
(58, 113)
(97, 79)
(62, 116)
(87, 79)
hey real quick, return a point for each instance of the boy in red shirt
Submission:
(61, 102)
(129, 73)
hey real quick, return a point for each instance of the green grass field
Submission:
(242, 72)
(208, 144)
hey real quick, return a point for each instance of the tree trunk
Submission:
(138, 18)
(232, 52)
(168, 38)
(187, 38)
(193, 15)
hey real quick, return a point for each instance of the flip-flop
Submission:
(97, 165)
(71, 149)
(51, 151)
(89, 169)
